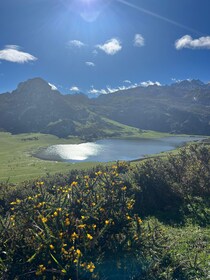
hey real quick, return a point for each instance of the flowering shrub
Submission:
(69, 230)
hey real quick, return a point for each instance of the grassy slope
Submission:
(133, 132)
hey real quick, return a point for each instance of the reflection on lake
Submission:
(113, 149)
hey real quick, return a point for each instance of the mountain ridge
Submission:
(34, 106)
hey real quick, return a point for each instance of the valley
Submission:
(18, 163)
(135, 210)
(104, 140)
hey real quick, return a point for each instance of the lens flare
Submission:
(89, 10)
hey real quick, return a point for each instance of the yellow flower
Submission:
(124, 188)
(98, 173)
(55, 214)
(44, 220)
(41, 269)
(52, 247)
(59, 209)
(64, 251)
(129, 206)
(74, 184)
(107, 222)
(91, 267)
(94, 226)
(13, 203)
(78, 252)
(114, 167)
(67, 222)
(82, 226)
(89, 236)
(74, 235)
(140, 221)
(83, 264)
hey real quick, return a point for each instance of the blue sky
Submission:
(102, 45)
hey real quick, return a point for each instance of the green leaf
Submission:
(32, 257)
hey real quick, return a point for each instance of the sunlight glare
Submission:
(89, 10)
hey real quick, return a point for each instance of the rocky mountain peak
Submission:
(189, 84)
(34, 86)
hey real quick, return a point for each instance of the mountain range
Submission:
(183, 107)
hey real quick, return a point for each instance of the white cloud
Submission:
(76, 44)
(97, 91)
(179, 81)
(89, 63)
(53, 87)
(111, 46)
(74, 88)
(139, 40)
(127, 81)
(109, 89)
(12, 53)
(150, 83)
(188, 42)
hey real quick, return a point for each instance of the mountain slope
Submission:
(179, 108)
(35, 107)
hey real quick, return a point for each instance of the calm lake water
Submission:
(113, 149)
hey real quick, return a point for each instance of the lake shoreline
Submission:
(108, 150)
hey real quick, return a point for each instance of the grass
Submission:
(128, 132)
(17, 163)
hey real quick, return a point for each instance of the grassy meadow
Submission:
(17, 163)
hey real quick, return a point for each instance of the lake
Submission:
(113, 149)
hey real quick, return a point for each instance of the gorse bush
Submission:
(96, 225)
(178, 185)
(68, 230)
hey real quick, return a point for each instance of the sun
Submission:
(89, 2)
(89, 10)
